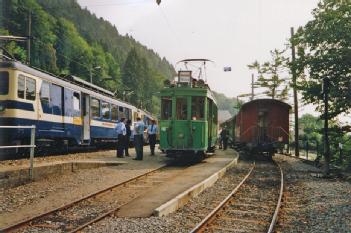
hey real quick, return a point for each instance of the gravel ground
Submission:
(312, 204)
(33, 198)
(185, 218)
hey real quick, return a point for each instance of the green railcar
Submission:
(189, 117)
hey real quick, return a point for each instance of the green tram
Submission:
(189, 119)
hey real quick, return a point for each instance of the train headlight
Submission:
(2, 107)
(181, 135)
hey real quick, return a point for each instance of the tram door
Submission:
(86, 117)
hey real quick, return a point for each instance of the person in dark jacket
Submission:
(152, 132)
(127, 139)
(224, 137)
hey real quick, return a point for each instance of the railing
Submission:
(31, 146)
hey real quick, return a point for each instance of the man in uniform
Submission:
(224, 137)
(139, 138)
(151, 132)
(121, 134)
(127, 138)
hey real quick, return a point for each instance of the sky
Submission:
(232, 33)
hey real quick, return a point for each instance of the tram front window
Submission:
(181, 109)
(166, 108)
(197, 108)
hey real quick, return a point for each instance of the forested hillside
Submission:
(67, 39)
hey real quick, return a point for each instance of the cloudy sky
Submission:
(230, 32)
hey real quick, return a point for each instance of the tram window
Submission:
(197, 108)
(127, 112)
(30, 89)
(21, 83)
(4, 83)
(45, 92)
(121, 113)
(105, 110)
(76, 101)
(166, 108)
(95, 107)
(114, 114)
(182, 109)
(56, 99)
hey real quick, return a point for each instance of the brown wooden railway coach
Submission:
(263, 125)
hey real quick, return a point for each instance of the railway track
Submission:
(77, 215)
(252, 206)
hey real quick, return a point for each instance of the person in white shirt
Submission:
(152, 132)
(139, 138)
(121, 134)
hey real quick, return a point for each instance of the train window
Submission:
(114, 113)
(4, 83)
(76, 101)
(105, 110)
(127, 112)
(197, 108)
(21, 83)
(166, 108)
(56, 99)
(182, 109)
(121, 113)
(95, 107)
(45, 96)
(30, 89)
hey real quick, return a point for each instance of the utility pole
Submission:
(326, 137)
(252, 87)
(29, 35)
(296, 109)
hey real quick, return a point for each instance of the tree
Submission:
(325, 52)
(270, 75)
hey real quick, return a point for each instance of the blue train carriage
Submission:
(189, 118)
(65, 111)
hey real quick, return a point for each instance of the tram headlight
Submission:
(2, 107)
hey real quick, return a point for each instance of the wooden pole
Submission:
(296, 109)
(29, 36)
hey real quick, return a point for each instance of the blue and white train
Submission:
(66, 111)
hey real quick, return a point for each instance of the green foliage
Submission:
(325, 52)
(270, 75)
(225, 103)
(71, 40)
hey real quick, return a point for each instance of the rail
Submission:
(31, 146)
(202, 225)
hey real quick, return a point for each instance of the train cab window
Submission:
(21, 83)
(105, 110)
(114, 112)
(30, 89)
(182, 108)
(95, 108)
(26, 88)
(4, 83)
(166, 108)
(197, 108)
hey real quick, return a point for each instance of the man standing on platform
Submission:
(127, 139)
(121, 134)
(152, 132)
(139, 138)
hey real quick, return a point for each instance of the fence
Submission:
(31, 146)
